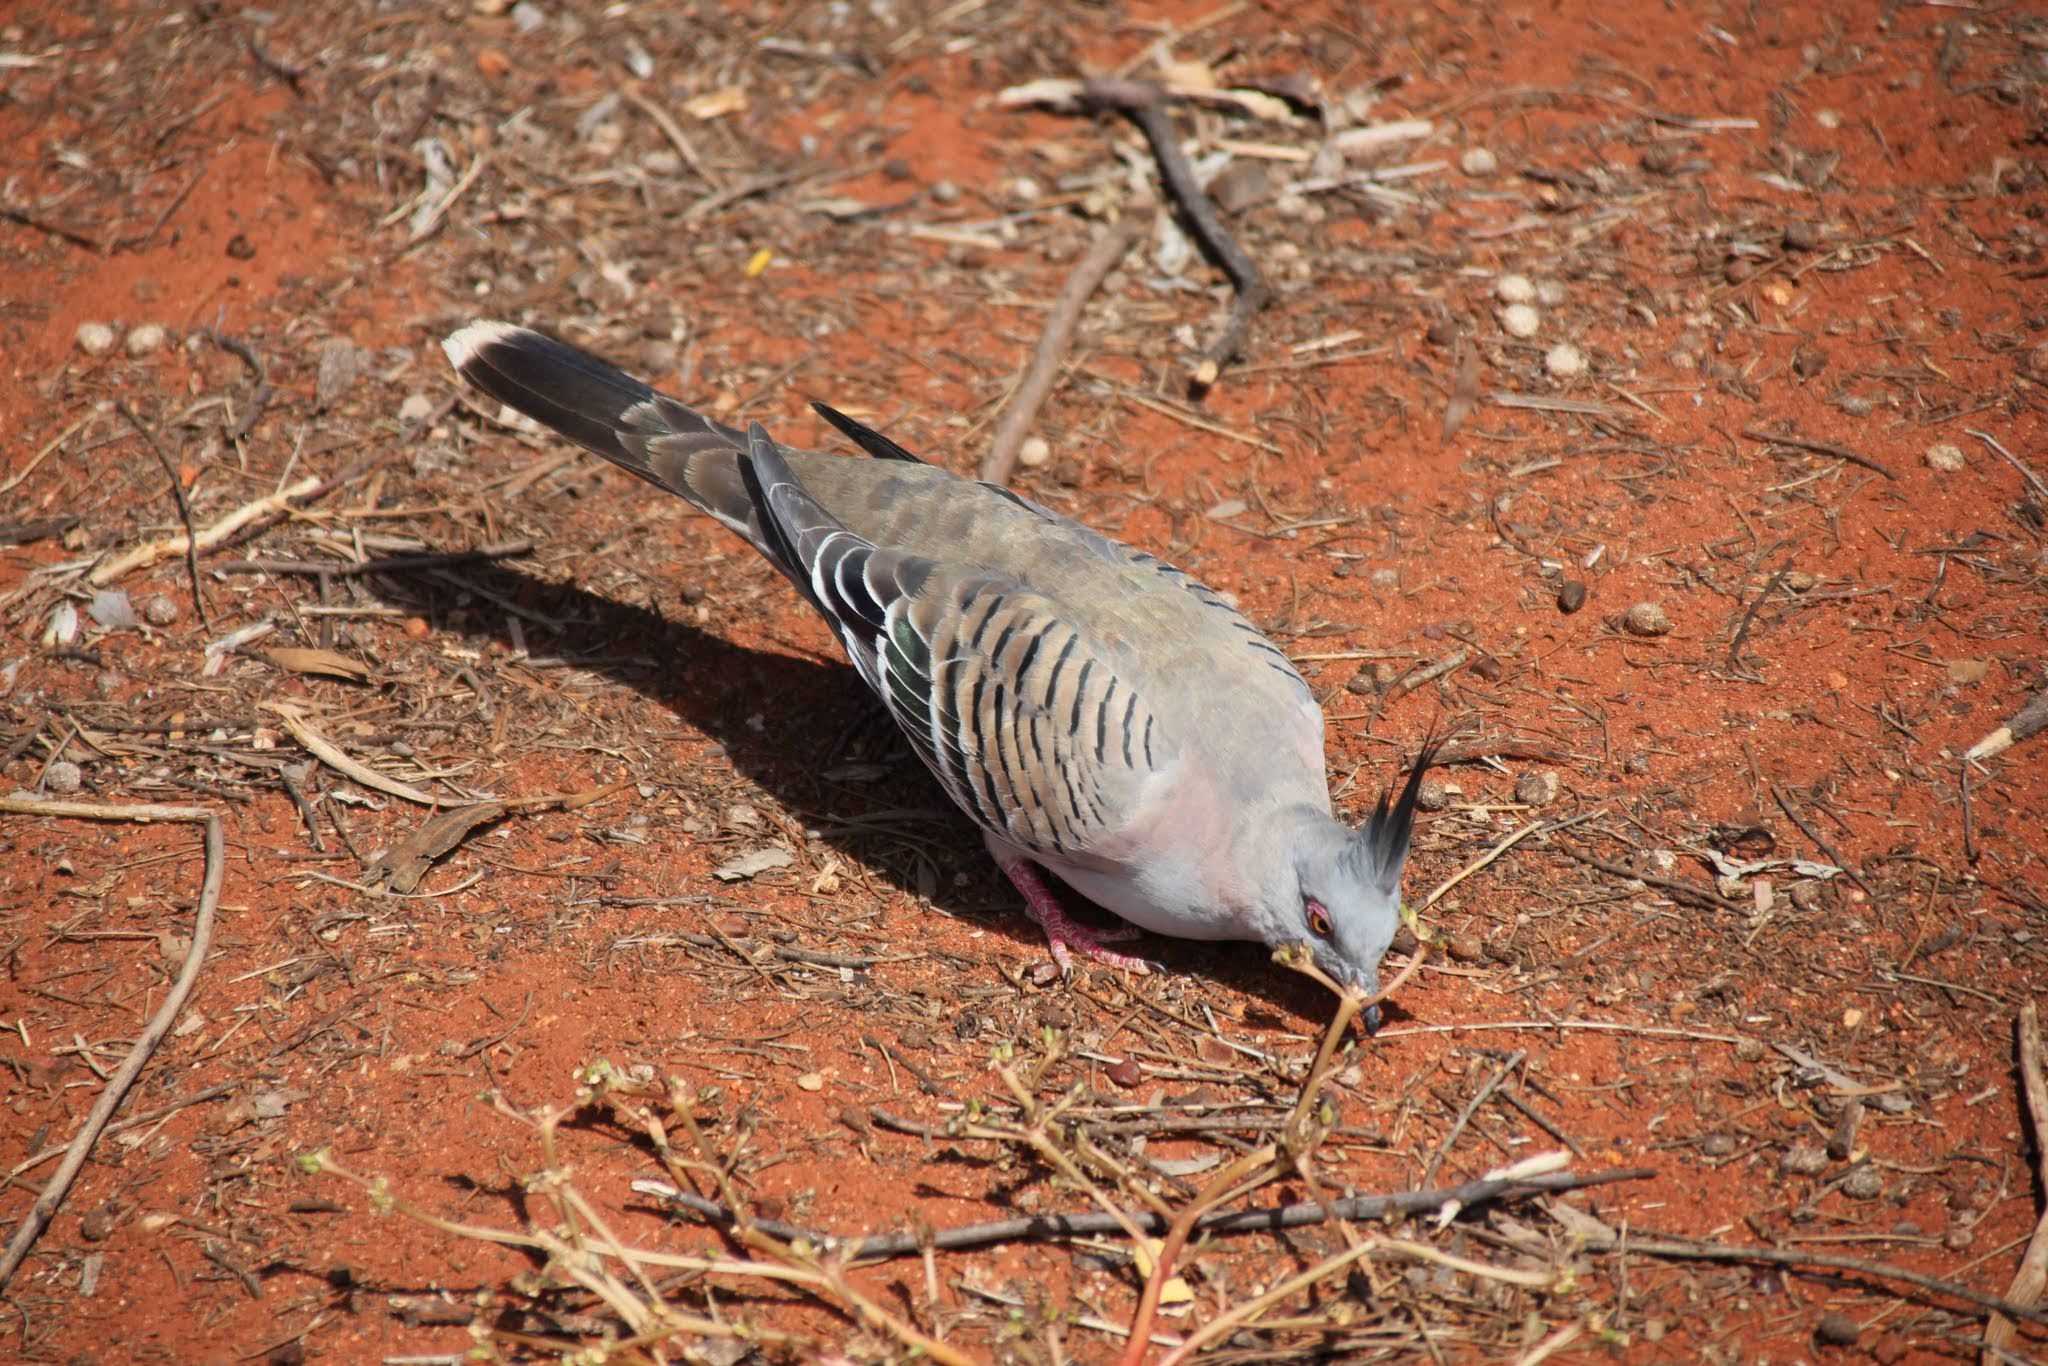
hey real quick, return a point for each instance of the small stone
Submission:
(1478, 162)
(1865, 1183)
(416, 627)
(1809, 361)
(1739, 270)
(95, 339)
(108, 683)
(1126, 1073)
(341, 364)
(1025, 190)
(1034, 452)
(1386, 580)
(1538, 787)
(1636, 765)
(1836, 1330)
(945, 192)
(1946, 458)
(1717, 1145)
(159, 609)
(1442, 332)
(1802, 581)
(63, 777)
(1889, 1350)
(1802, 236)
(1647, 619)
(1749, 1050)
(1549, 292)
(1466, 948)
(1806, 895)
(1803, 1160)
(1404, 940)
(1520, 320)
(1571, 596)
(144, 339)
(492, 64)
(415, 409)
(1565, 360)
(1514, 289)
(527, 16)
(1434, 794)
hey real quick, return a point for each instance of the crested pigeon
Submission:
(1095, 711)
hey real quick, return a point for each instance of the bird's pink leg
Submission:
(1060, 932)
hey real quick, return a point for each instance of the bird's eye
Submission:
(1318, 919)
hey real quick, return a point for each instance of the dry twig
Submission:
(159, 1025)
(1108, 248)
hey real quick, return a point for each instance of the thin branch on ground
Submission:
(1145, 103)
(172, 472)
(2032, 1275)
(159, 1025)
(1108, 248)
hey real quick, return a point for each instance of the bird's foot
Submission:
(1065, 936)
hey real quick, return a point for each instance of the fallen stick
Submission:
(2025, 723)
(1686, 1250)
(1144, 102)
(2032, 1276)
(878, 1246)
(81, 1145)
(1109, 247)
(328, 753)
(152, 551)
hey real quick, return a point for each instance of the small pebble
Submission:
(1945, 458)
(159, 609)
(1716, 1145)
(1520, 320)
(1537, 788)
(1125, 1073)
(945, 192)
(1865, 1183)
(1550, 293)
(95, 339)
(1571, 596)
(341, 364)
(1478, 161)
(1565, 360)
(1803, 1160)
(1514, 289)
(416, 408)
(1025, 190)
(1442, 332)
(1647, 619)
(1802, 236)
(1809, 361)
(1836, 1330)
(1433, 795)
(108, 683)
(1466, 948)
(62, 777)
(144, 339)
(1034, 452)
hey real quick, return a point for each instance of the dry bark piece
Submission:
(309, 660)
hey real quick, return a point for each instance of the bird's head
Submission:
(1345, 900)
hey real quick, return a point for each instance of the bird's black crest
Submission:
(1380, 847)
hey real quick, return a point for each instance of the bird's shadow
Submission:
(780, 718)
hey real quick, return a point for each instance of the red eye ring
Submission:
(1318, 919)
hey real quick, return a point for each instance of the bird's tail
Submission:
(602, 408)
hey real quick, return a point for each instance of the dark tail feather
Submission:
(555, 384)
(864, 436)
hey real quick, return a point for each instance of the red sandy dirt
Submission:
(1846, 253)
